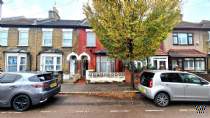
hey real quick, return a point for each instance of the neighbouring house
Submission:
(187, 47)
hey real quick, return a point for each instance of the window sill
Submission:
(90, 46)
(22, 45)
(3, 46)
(183, 45)
(66, 46)
(47, 46)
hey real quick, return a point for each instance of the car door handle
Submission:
(167, 84)
(12, 87)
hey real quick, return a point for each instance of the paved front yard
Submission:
(108, 87)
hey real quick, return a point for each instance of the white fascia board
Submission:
(47, 29)
(67, 30)
(4, 29)
(23, 29)
(89, 30)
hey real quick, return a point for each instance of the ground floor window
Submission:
(105, 64)
(189, 64)
(16, 62)
(159, 62)
(51, 62)
(199, 64)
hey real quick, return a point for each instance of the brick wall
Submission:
(35, 46)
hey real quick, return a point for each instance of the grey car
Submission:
(21, 90)
(165, 86)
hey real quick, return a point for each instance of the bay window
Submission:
(199, 64)
(188, 64)
(16, 62)
(105, 64)
(51, 62)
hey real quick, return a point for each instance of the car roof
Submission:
(26, 74)
(164, 71)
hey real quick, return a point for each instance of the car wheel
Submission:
(162, 99)
(21, 103)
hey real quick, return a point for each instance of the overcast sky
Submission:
(193, 10)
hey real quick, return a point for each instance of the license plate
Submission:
(53, 85)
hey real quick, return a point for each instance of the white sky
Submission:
(193, 10)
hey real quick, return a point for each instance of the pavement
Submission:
(113, 90)
(107, 87)
(108, 90)
(80, 106)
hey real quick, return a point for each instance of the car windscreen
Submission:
(41, 77)
(9, 78)
(146, 77)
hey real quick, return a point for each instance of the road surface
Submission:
(80, 106)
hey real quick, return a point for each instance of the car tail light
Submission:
(150, 83)
(42, 85)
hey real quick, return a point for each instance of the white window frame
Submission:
(107, 62)
(188, 64)
(179, 40)
(4, 30)
(200, 62)
(42, 61)
(209, 36)
(63, 42)
(87, 44)
(159, 59)
(18, 55)
(43, 38)
(23, 30)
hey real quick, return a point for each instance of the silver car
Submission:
(21, 90)
(165, 86)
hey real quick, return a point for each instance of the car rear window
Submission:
(41, 77)
(9, 78)
(146, 77)
(171, 77)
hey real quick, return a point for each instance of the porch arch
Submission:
(84, 54)
(72, 54)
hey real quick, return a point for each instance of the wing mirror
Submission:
(204, 83)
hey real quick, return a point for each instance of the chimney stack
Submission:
(1, 3)
(53, 14)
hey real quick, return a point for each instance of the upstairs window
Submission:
(209, 35)
(23, 37)
(67, 37)
(47, 37)
(182, 38)
(3, 36)
(91, 39)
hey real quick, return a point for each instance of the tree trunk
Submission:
(132, 75)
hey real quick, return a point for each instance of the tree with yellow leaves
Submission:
(132, 29)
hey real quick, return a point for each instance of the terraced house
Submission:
(52, 44)
(187, 47)
(71, 47)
